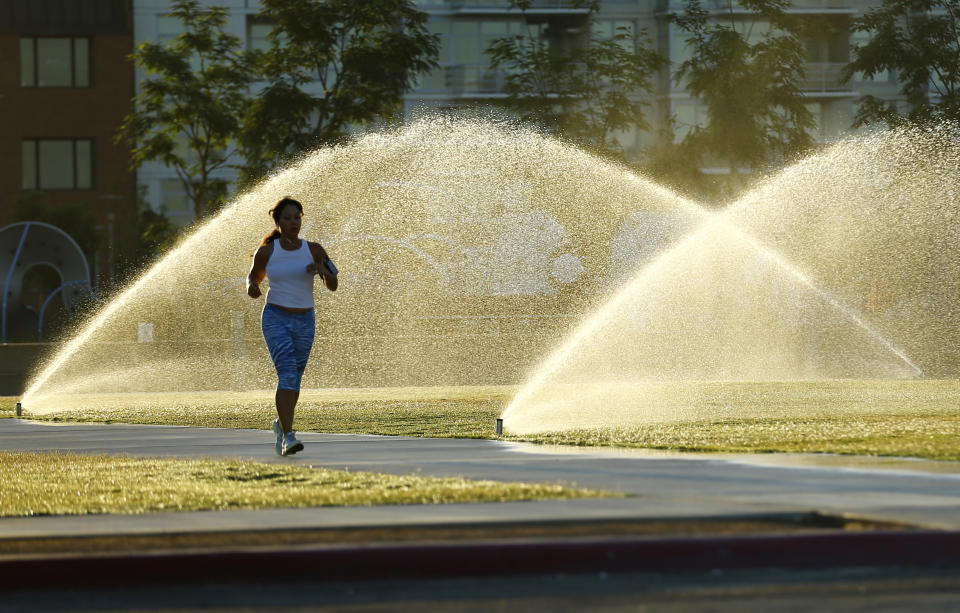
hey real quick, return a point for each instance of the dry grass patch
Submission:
(931, 437)
(452, 412)
(905, 418)
(73, 484)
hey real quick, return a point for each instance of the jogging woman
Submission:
(290, 263)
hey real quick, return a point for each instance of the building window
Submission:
(680, 50)
(54, 62)
(168, 28)
(862, 39)
(470, 39)
(257, 32)
(607, 29)
(816, 110)
(464, 65)
(176, 203)
(687, 118)
(57, 164)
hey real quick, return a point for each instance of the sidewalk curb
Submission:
(503, 558)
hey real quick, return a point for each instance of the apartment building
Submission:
(65, 86)
(466, 27)
(464, 79)
(831, 101)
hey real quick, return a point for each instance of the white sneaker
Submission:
(279, 433)
(291, 445)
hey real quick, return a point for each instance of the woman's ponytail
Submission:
(269, 238)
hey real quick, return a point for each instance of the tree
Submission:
(363, 55)
(152, 236)
(188, 112)
(671, 164)
(756, 113)
(155, 235)
(583, 90)
(920, 41)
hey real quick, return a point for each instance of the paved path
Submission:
(662, 485)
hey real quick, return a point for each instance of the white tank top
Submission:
(290, 283)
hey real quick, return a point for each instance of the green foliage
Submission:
(585, 89)
(155, 235)
(919, 40)
(756, 112)
(668, 162)
(365, 56)
(74, 219)
(188, 113)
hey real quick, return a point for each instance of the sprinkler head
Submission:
(19, 410)
(499, 426)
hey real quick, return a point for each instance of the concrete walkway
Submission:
(918, 493)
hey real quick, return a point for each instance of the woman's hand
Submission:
(253, 289)
(318, 268)
(321, 266)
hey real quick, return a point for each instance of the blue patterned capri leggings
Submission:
(289, 338)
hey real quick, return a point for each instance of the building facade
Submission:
(466, 27)
(65, 86)
(464, 79)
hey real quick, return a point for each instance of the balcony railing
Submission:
(825, 77)
(463, 80)
(494, 4)
(481, 80)
(675, 6)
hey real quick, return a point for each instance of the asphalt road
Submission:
(913, 492)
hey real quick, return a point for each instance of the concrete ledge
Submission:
(504, 558)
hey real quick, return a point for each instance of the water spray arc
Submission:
(114, 306)
(802, 278)
(738, 280)
(448, 235)
(661, 266)
(589, 328)
(467, 249)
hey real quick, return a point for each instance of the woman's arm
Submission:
(258, 271)
(319, 266)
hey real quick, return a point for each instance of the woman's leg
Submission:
(286, 403)
(279, 334)
(302, 336)
(303, 343)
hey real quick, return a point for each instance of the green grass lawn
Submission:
(932, 436)
(72, 484)
(891, 418)
(906, 418)
(465, 412)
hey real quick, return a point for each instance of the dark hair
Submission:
(275, 212)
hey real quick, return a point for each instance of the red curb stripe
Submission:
(872, 549)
